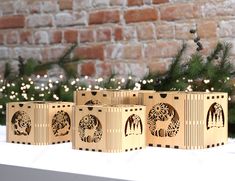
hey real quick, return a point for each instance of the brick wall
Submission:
(114, 36)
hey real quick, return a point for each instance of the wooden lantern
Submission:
(98, 97)
(39, 123)
(186, 120)
(106, 128)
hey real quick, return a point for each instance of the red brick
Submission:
(26, 37)
(35, 7)
(117, 2)
(1, 39)
(132, 52)
(86, 36)
(100, 17)
(157, 66)
(17, 21)
(207, 29)
(41, 37)
(160, 1)
(103, 69)
(114, 51)
(49, 6)
(118, 33)
(145, 31)
(162, 49)
(92, 52)
(56, 37)
(179, 12)
(7, 7)
(53, 53)
(182, 31)
(71, 36)
(135, 2)
(165, 31)
(66, 4)
(129, 33)
(138, 15)
(12, 37)
(39, 20)
(88, 69)
(103, 34)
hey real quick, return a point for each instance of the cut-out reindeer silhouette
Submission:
(162, 126)
(89, 134)
(90, 129)
(163, 120)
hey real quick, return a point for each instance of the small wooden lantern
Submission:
(39, 123)
(186, 120)
(106, 128)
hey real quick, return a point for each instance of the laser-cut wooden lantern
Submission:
(186, 120)
(39, 123)
(109, 128)
(98, 97)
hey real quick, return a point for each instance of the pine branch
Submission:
(21, 66)
(195, 67)
(63, 61)
(170, 79)
(65, 56)
(7, 71)
(176, 61)
(214, 54)
(225, 55)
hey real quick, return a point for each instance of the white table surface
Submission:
(147, 164)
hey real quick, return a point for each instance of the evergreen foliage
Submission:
(197, 73)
